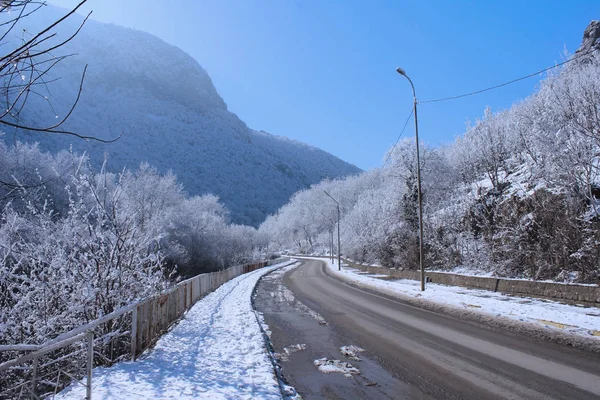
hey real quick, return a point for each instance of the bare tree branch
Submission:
(29, 64)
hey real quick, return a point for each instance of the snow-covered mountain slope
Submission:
(171, 116)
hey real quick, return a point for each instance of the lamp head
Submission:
(401, 71)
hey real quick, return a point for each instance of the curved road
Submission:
(444, 357)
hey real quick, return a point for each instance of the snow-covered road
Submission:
(215, 352)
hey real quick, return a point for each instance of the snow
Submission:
(215, 352)
(466, 271)
(351, 352)
(283, 294)
(290, 350)
(573, 319)
(328, 366)
(474, 271)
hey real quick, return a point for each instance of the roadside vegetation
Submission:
(516, 195)
(78, 242)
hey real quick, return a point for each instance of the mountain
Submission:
(170, 115)
(591, 38)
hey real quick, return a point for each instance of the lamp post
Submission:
(403, 73)
(338, 229)
(331, 245)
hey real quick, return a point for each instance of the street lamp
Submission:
(403, 73)
(331, 245)
(338, 229)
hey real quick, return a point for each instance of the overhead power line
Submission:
(507, 83)
(389, 155)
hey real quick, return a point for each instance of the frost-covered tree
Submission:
(62, 271)
(518, 194)
(77, 243)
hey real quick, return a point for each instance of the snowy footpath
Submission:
(583, 322)
(215, 352)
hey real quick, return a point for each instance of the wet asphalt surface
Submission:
(409, 353)
(294, 323)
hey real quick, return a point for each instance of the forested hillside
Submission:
(87, 226)
(516, 195)
(169, 114)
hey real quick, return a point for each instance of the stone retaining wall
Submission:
(588, 295)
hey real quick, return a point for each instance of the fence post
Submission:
(134, 318)
(34, 379)
(151, 308)
(90, 364)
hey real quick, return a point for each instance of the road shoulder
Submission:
(495, 322)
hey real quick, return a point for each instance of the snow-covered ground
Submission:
(573, 319)
(571, 277)
(215, 352)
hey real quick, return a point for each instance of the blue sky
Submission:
(323, 71)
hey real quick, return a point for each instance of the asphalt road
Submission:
(299, 336)
(441, 357)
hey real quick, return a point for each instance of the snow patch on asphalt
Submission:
(215, 352)
(294, 348)
(328, 366)
(278, 273)
(283, 294)
(289, 350)
(351, 352)
(312, 313)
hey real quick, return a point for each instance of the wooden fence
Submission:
(154, 315)
(40, 371)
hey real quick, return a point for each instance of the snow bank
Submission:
(545, 319)
(215, 352)
(473, 271)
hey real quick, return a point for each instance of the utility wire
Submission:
(389, 155)
(509, 82)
